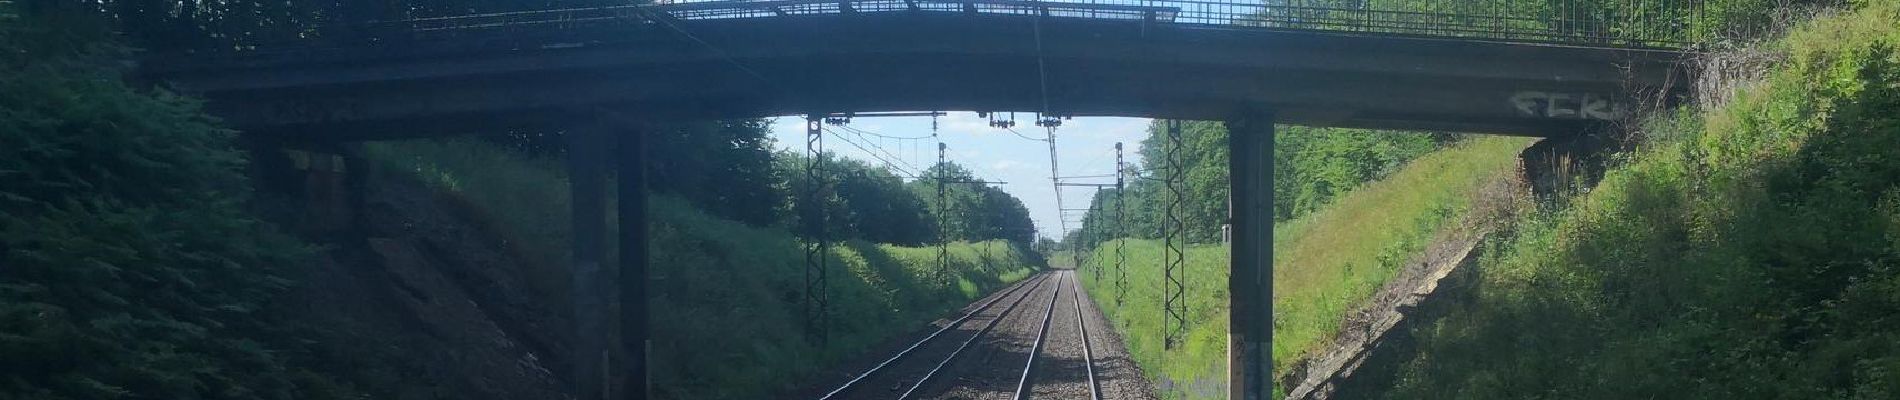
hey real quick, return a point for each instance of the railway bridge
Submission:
(597, 73)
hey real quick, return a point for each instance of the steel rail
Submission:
(1029, 368)
(966, 342)
(848, 385)
(1081, 324)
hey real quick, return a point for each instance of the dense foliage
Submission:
(878, 207)
(726, 279)
(1750, 251)
(1609, 22)
(128, 265)
(872, 203)
(1312, 166)
(724, 167)
(742, 284)
(728, 169)
(975, 211)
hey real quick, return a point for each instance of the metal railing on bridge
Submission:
(1620, 23)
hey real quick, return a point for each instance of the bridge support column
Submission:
(633, 263)
(1250, 212)
(586, 153)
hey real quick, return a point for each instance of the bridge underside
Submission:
(920, 61)
(909, 61)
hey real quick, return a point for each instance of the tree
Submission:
(131, 268)
(725, 167)
(975, 211)
(881, 208)
(1312, 167)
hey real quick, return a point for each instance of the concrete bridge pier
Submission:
(595, 364)
(632, 176)
(587, 152)
(1250, 283)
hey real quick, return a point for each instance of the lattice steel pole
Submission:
(1094, 209)
(817, 247)
(1121, 230)
(1174, 323)
(943, 215)
(1075, 248)
(988, 263)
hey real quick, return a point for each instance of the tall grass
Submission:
(1325, 264)
(1197, 369)
(1328, 263)
(726, 297)
(1749, 251)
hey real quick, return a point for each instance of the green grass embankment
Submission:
(1749, 251)
(1325, 264)
(726, 296)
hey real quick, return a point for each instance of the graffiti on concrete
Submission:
(1532, 103)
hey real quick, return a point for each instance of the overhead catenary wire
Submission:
(1055, 179)
(900, 144)
(862, 134)
(1094, 161)
(865, 132)
(1021, 135)
(887, 163)
(877, 149)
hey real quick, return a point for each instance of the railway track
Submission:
(1082, 326)
(1065, 370)
(1059, 362)
(891, 366)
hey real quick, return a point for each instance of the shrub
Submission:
(128, 266)
(1748, 252)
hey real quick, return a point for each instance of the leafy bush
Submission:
(715, 277)
(1752, 251)
(128, 266)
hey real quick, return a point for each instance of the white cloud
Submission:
(1108, 128)
(1007, 165)
(964, 123)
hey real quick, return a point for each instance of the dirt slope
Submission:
(432, 306)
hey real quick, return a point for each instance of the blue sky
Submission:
(1084, 146)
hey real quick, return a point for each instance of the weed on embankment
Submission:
(1325, 264)
(726, 297)
(1751, 250)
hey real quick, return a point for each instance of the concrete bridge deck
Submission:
(484, 75)
(908, 61)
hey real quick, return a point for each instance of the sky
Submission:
(1084, 146)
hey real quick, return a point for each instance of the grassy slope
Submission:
(715, 278)
(1751, 251)
(1325, 263)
